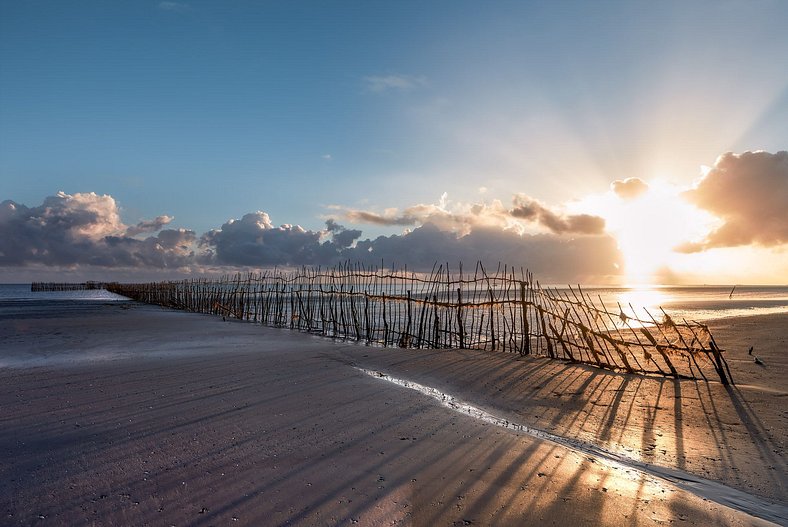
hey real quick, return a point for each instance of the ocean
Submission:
(19, 307)
(697, 303)
(16, 300)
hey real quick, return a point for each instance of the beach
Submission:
(119, 413)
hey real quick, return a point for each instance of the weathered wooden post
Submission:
(460, 327)
(525, 347)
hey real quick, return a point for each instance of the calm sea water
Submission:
(690, 302)
(16, 300)
(22, 293)
(18, 303)
(695, 302)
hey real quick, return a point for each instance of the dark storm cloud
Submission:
(749, 193)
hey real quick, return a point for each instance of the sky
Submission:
(602, 142)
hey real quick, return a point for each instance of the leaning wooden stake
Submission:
(719, 361)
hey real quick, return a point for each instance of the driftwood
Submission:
(505, 311)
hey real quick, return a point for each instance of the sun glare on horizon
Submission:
(649, 227)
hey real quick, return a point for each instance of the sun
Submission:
(649, 227)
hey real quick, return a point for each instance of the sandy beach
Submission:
(142, 416)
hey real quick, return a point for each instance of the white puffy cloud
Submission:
(629, 188)
(76, 231)
(84, 229)
(749, 193)
(254, 241)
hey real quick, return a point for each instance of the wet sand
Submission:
(128, 414)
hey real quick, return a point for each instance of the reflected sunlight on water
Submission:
(696, 303)
(649, 298)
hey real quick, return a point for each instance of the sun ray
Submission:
(649, 227)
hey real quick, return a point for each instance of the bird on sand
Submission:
(758, 361)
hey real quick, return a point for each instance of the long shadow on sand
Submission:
(704, 428)
(287, 432)
(295, 438)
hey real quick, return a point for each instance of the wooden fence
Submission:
(505, 311)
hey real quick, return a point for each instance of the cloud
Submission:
(749, 193)
(84, 229)
(149, 226)
(629, 188)
(462, 218)
(529, 209)
(171, 248)
(553, 258)
(390, 217)
(341, 236)
(457, 217)
(178, 7)
(385, 83)
(332, 226)
(254, 241)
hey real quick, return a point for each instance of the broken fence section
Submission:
(505, 311)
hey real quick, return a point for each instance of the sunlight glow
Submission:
(649, 227)
(647, 297)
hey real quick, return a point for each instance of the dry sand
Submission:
(141, 416)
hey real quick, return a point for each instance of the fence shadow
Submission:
(705, 428)
(282, 439)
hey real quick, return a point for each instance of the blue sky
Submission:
(206, 111)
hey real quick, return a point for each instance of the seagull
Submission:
(758, 361)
